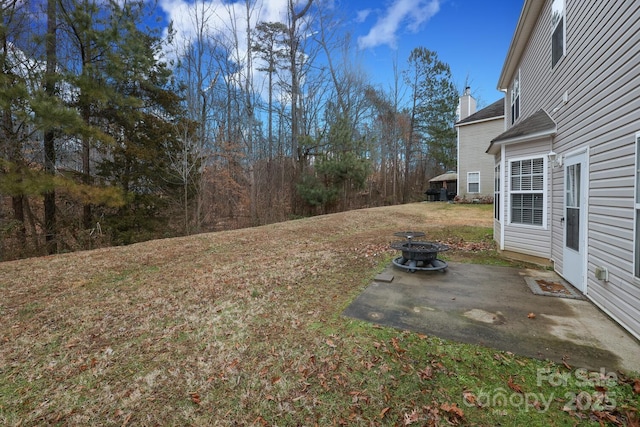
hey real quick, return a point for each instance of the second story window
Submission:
(558, 28)
(515, 99)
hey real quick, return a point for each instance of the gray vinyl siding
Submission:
(497, 231)
(600, 72)
(474, 140)
(526, 239)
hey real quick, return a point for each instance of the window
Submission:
(558, 31)
(496, 192)
(515, 99)
(637, 210)
(527, 191)
(473, 182)
(572, 206)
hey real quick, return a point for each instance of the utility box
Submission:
(602, 273)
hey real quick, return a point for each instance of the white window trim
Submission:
(519, 98)
(507, 176)
(473, 182)
(497, 190)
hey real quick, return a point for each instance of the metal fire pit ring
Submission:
(419, 256)
(409, 234)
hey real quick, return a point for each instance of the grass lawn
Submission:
(244, 328)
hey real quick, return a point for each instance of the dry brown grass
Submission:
(231, 328)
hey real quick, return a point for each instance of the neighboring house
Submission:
(568, 164)
(475, 132)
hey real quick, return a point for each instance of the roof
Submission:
(493, 111)
(449, 176)
(537, 125)
(526, 23)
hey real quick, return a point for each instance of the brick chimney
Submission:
(467, 105)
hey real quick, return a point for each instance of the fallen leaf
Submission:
(513, 386)
(536, 404)
(195, 398)
(127, 419)
(470, 398)
(411, 418)
(632, 419)
(636, 386)
(384, 412)
(426, 373)
(261, 420)
(396, 345)
(607, 417)
(330, 343)
(453, 409)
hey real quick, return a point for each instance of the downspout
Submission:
(503, 181)
(458, 160)
(550, 197)
(503, 174)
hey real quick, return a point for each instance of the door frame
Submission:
(579, 281)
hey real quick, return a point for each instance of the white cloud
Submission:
(400, 14)
(221, 21)
(219, 17)
(362, 15)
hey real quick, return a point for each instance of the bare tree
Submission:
(294, 17)
(199, 72)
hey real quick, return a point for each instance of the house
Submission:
(568, 164)
(475, 130)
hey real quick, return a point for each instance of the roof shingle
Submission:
(494, 110)
(537, 123)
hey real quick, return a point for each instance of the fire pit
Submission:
(418, 255)
(409, 234)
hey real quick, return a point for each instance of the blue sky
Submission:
(471, 36)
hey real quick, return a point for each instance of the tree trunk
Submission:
(295, 84)
(18, 216)
(49, 135)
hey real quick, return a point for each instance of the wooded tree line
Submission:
(114, 131)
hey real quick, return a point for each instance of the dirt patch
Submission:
(561, 289)
(552, 287)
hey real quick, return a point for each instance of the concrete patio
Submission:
(497, 307)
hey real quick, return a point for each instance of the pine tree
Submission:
(146, 124)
